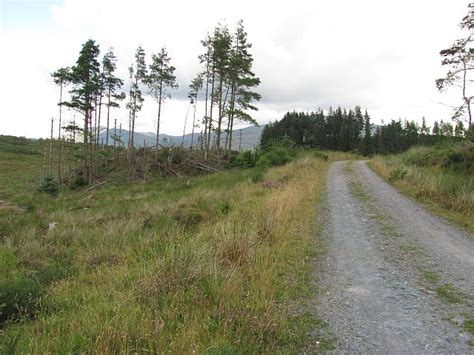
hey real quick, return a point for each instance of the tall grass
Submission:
(441, 177)
(207, 264)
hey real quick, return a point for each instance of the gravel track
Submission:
(376, 296)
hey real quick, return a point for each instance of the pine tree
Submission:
(424, 130)
(243, 82)
(460, 60)
(194, 88)
(85, 77)
(210, 73)
(221, 43)
(61, 77)
(111, 85)
(459, 130)
(138, 75)
(206, 60)
(160, 80)
(368, 135)
(436, 129)
(447, 129)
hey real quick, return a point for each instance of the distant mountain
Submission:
(246, 138)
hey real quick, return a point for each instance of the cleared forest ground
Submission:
(216, 263)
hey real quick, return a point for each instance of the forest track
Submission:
(395, 279)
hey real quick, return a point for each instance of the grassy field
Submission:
(215, 264)
(441, 177)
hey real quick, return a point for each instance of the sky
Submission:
(381, 55)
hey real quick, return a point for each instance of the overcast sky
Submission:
(382, 55)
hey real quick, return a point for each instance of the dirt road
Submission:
(395, 279)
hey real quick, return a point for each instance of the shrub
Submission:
(60, 268)
(460, 159)
(18, 298)
(321, 156)
(246, 159)
(277, 153)
(263, 163)
(78, 182)
(257, 175)
(398, 174)
(49, 185)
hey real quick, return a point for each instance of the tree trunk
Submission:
(129, 126)
(230, 132)
(185, 122)
(219, 118)
(206, 116)
(108, 120)
(240, 140)
(59, 132)
(93, 131)
(231, 115)
(132, 145)
(194, 123)
(158, 123)
(466, 99)
(98, 121)
(86, 124)
(91, 148)
(469, 113)
(115, 133)
(227, 134)
(210, 114)
(51, 149)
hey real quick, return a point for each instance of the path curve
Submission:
(387, 265)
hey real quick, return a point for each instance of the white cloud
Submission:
(379, 54)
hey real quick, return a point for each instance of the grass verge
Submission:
(427, 175)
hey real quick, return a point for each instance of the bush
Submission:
(398, 174)
(78, 182)
(461, 159)
(263, 163)
(49, 185)
(277, 155)
(246, 159)
(458, 157)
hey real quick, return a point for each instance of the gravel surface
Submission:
(395, 279)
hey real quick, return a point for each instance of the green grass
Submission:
(431, 276)
(448, 294)
(469, 326)
(411, 249)
(212, 264)
(440, 177)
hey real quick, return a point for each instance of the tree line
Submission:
(352, 130)
(225, 86)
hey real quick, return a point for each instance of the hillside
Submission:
(250, 138)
